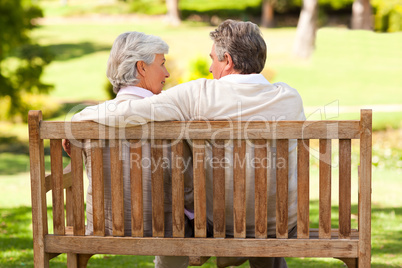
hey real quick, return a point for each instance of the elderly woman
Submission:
(136, 69)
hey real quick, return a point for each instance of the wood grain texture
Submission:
(345, 174)
(116, 170)
(38, 191)
(178, 189)
(239, 188)
(57, 187)
(200, 209)
(365, 189)
(204, 246)
(98, 189)
(282, 175)
(261, 190)
(67, 179)
(219, 215)
(325, 189)
(206, 130)
(303, 188)
(158, 212)
(137, 198)
(69, 199)
(345, 243)
(78, 189)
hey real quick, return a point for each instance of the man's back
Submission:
(233, 98)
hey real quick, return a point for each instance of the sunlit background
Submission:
(53, 57)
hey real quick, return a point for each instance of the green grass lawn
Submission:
(16, 229)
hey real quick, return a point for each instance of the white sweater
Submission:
(233, 97)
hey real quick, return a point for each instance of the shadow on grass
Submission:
(65, 52)
(14, 163)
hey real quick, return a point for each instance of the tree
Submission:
(267, 19)
(362, 15)
(28, 59)
(173, 16)
(306, 29)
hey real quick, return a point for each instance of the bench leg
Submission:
(83, 260)
(78, 260)
(72, 260)
(350, 262)
(41, 260)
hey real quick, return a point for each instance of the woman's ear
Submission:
(141, 68)
(229, 62)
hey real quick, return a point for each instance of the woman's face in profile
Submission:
(155, 74)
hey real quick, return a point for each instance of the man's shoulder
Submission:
(284, 86)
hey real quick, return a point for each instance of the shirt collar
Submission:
(137, 91)
(245, 79)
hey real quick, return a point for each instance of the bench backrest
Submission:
(198, 132)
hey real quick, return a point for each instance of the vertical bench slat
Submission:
(219, 216)
(116, 170)
(239, 188)
(78, 188)
(324, 230)
(200, 210)
(98, 192)
(178, 189)
(282, 175)
(345, 172)
(69, 206)
(365, 188)
(158, 215)
(137, 203)
(303, 188)
(260, 188)
(57, 187)
(69, 200)
(38, 190)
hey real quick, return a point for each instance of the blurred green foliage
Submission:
(21, 61)
(388, 15)
(236, 8)
(199, 68)
(150, 7)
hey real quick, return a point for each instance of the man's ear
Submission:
(229, 62)
(141, 68)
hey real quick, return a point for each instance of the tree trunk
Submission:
(306, 29)
(267, 19)
(173, 16)
(362, 15)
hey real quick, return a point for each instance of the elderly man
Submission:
(237, 92)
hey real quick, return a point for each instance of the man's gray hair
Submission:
(243, 42)
(127, 50)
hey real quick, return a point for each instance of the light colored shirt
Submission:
(136, 91)
(239, 97)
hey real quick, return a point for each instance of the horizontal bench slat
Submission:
(203, 246)
(205, 130)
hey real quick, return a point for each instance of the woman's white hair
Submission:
(127, 50)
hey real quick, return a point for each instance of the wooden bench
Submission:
(353, 246)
